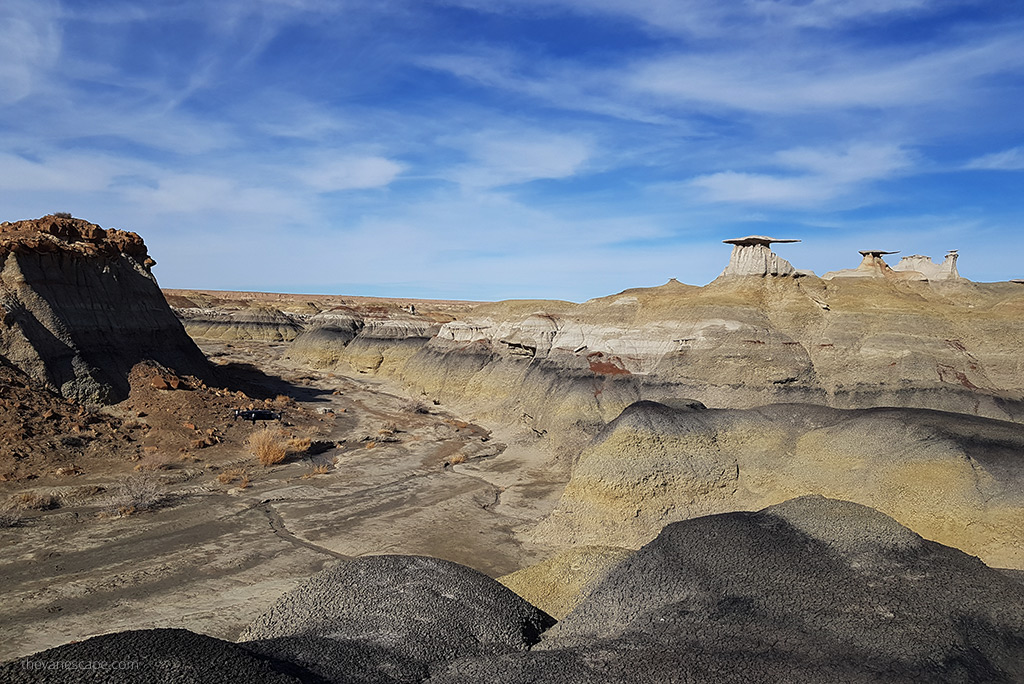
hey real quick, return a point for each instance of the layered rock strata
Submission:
(363, 340)
(566, 369)
(269, 325)
(79, 306)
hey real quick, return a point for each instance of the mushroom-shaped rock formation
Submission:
(871, 266)
(753, 256)
(928, 268)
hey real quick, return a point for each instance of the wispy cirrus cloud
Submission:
(30, 46)
(1007, 160)
(506, 157)
(475, 141)
(752, 78)
(706, 19)
(343, 172)
(809, 177)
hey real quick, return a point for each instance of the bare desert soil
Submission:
(386, 473)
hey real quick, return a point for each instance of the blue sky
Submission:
(487, 149)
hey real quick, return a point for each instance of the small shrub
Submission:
(457, 459)
(9, 518)
(266, 444)
(62, 214)
(414, 406)
(134, 493)
(155, 460)
(245, 483)
(386, 433)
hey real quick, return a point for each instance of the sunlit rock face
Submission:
(80, 307)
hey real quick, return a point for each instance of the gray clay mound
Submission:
(351, 662)
(812, 590)
(415, 609)
(151, 656)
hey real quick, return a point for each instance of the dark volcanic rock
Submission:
(812, 590)
(414, 608)
(79, 307)
(151, 656)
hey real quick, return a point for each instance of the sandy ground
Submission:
(213, 556)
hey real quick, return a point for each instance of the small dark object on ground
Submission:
(256, 414)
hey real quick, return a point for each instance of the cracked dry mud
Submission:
(214, 556)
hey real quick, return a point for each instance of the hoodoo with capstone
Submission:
(753, 256)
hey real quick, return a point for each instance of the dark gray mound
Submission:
(152, 656)
(812, 590)
(421, 609)
(351, 662)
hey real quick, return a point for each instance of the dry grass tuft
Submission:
(370, 445)
(229, 476)
(32, 501)
(317, 469)
(457, 459)
(267, 445)
(299, 445)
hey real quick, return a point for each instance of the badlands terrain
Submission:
(774, 477)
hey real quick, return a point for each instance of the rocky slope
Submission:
(956, 479)
(79, 306)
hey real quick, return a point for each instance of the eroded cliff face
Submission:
(80, 307)
(737, 343)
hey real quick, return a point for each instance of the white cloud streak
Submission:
(1007, 160)
(510, 157)
(349, 173)
(30, 45)
(820, 176)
